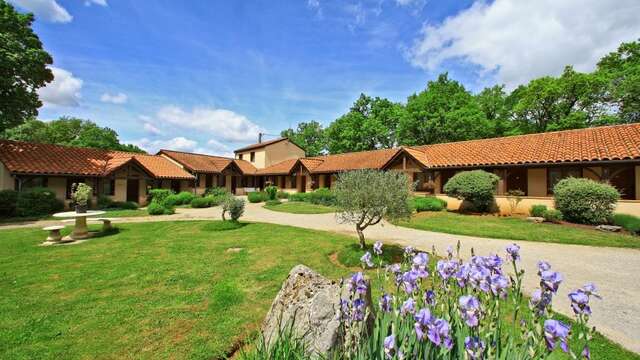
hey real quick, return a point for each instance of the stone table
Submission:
(80, 230)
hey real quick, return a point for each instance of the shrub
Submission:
(256, 197)
(273, 202)
(476, 187)
(37, 201)
(282, 195)
(8, 200)
(299, 197)
(322, 196)
(104, 202)
(538, 210)
(271, 192)
(552, 215)
(218, 200)
(158, 195)
(233, 206)
(155, 208)
(628, 222)
(216, 191)
(185, 197)
(81, 194)
(585, 201)
(429, 203)
(126, 205)
(201, 202)
(171, 200)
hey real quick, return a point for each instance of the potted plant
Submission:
(80, 193)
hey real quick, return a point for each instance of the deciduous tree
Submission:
(309, 135)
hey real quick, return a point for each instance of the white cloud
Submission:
(222, 124)
(64, 90)
(119, 98)
(177, 143)
(520, 40)
(96, 2)
(48, 10)
(315, 6)
(151, 129)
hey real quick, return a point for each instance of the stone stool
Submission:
(54, 233)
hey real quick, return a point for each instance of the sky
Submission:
(208, 76)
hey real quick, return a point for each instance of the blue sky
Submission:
(208, 75)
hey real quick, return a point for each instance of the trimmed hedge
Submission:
(628, 222)
(538, 210)
(257, 197)
(322, 196)
(552, 215)
(216, 191)
(156, 208)
(282, 195)
(476, 187)
(8, 200)
(299, 197)
(158, 195)
(201, 202)
(429, 203)
(124, 205)
(37, 202)
(585, 201)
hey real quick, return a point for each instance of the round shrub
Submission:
(128, 205)
(429, 203)
(271, 192)
(538, 210)
(201, 202)
(299, 197)
(282, 195)
(8, 200)
(322, 196)
(155, 208)
(256, 197)
(216, 191)
(585, 201)
(628, 222)
(171, 200)
(158, 195)
(104, 202)
(476, 187)
(185, 197)
(37, 201)
(554, 216)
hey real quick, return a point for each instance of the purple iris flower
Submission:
(550, 280)
(420, 262)
(474, 347)
(344, 310)
(494, 263)
(514, 252)
(554, 332)
(409, 251)
(499, 284)
(410, 281)
(423, 320)
(470, 309)
(357, 283)
(586, 352)
(462, 275)
(447, 268)
(377, 248)
(358, 309)
(430, 297)
(385, 302)
(479, 277)
(450, 252)
(540, 301)
(543, 266)
(408, 307)
(590, 289)
(366, 260)
(580, 302)
(438, 333)
(389, 346)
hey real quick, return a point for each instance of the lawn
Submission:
(300, 207)
(112, 213)
(159, 290)
(516, 229)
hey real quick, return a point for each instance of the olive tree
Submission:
(365, 197)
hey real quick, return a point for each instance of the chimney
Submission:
(259, 138)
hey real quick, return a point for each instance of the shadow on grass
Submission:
(219, 225)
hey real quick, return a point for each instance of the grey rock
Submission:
(609, 228)
(535, 219)
(309, 303)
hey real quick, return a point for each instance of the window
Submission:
(253, 156)
(240, 156)
(70, 182)
(558, 173)
(208, 179)
(108, 187)
(32, 182)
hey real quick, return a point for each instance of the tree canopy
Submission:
(445, 111)
(23, 67)
(71, 132)
(308, 135)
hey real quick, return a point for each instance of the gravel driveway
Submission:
(615, 271)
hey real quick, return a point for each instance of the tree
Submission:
(445, 111)
(365, 197)
(493, 102)
(621, 70)
(23, 67)
(71, 132)
(309, 135)
(370, 124)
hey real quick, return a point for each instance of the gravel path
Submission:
(613, 270)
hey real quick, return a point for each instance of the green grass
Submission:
(517, 229)
(299, 207)
(110, 213)
(161, 289)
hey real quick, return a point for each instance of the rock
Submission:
(535, 219)
(310, 304)
(609, 228)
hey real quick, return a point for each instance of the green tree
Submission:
(309, 135)
(365, 197)
(445, 111)
(621, 70)
(493, 102)
(23, 67)
(370, 124)
(71, 132)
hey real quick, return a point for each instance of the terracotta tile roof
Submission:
(198, 162)
(282, 168)
(374, 159)
(311, 163)
(260, 145)
(47, 159)
(618, 142)
(246, 167)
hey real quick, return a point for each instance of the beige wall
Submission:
(6, 181)
(260, 157)
(537, 182)
(280, 151)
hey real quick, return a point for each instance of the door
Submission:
(303, 184)
(234, 184)
(133, 190)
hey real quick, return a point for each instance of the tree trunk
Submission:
(361, 237)
(223, 217)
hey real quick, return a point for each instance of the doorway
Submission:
(133, 190)
(517, 180)
(303, 184)
(234, 184)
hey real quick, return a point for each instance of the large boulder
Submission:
(309, 303)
